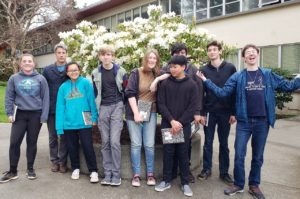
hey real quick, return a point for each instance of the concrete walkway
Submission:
(280, 173)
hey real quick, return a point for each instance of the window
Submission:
(269, 56)
(113, 23)
(187, 9)
(107, 23)
(290, 59)
(216, 8)
(128, 15)
(232, 6)
(144, 12)
(201, 9)
(266, 2)
(121, 17)
(233, 58)
(136, 12)
(165, 6)
(175, 6)
(250, 4)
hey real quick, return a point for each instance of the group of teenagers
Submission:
(215, 95)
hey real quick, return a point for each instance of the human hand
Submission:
(176, 126)
(153, 86)
(201, 75)
(11, 119)
(197, 119)
(232, 119)
(203, 120)
(138, 118)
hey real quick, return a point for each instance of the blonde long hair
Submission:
(156, 69)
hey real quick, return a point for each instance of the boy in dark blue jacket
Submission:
(177, 102)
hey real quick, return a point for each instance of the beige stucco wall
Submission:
(45, 60)
(278, 25)
(122, 8)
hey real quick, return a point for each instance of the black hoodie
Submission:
(219, 76)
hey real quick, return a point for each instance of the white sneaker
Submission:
(75, 174)
(94, 177)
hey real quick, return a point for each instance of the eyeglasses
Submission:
(250, 52)
(73, 71)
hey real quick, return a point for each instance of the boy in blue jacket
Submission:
(255, 111)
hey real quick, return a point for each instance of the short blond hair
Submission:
(106, 49)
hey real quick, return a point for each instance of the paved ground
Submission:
(280, 173)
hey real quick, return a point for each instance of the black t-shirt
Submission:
(255, 93)
(109, 93)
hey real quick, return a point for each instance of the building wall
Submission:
(264, 27)
(122, 8)
(45, 60)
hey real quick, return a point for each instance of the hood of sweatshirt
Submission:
(34, 73)
(178, 80)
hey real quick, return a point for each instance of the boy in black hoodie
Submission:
(177, 102)
(217, 112)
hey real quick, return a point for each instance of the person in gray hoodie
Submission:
(27, 107)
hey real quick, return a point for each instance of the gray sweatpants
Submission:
(110, 124)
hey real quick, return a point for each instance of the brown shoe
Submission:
(54, 167)
(256, 192)
(63, 168)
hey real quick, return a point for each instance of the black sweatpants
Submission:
(27, 122)
(179, 150)
(72, 138)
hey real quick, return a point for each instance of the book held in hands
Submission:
(144, 109)
(169, 138)
(87, 117)
(194, 128)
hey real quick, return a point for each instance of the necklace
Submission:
(252, 80)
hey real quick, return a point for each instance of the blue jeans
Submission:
(258, 127)
(222, 120)
(142, 133)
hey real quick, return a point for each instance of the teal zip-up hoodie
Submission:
(73, 98)
(237, 83)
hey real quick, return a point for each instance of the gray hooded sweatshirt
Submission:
(28, 92)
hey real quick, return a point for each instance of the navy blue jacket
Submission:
(237, 83)
(54, 78)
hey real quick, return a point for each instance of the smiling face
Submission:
(61, 56)
(214, 53)
(151, 60)
(251, 56)
(73, 72)
(27, 64)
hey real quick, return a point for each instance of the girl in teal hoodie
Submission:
(76, 113)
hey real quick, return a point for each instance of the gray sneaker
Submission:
(106, 180)
(115, 181)
(162, 186)
(187, 191)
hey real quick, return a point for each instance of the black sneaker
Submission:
(256, 192)
(233, 189)
(226, 178)
(8, 176)
(191, 177)
(31, 174)
(204, 174)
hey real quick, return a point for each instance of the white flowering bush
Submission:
(133, 38)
